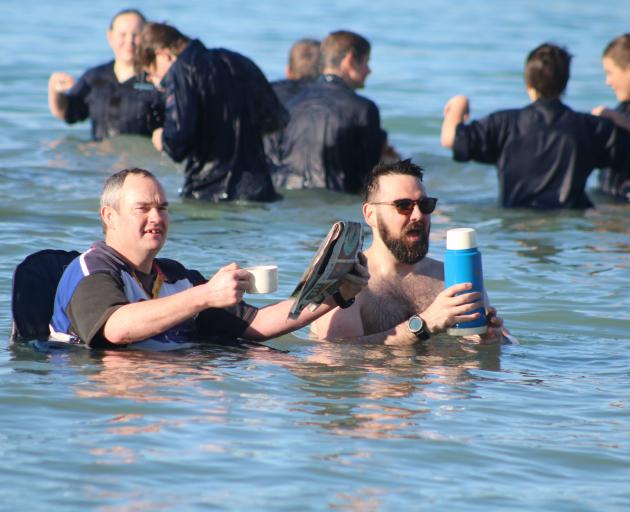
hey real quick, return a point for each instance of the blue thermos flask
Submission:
(462, 264)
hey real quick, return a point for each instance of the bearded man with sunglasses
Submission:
(405, 300)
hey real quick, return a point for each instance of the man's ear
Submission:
(369, 214)
(107, 213)
(347, 63)
(108, 34)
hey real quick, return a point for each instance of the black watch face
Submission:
(415, 324)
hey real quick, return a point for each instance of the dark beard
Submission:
(408, 253)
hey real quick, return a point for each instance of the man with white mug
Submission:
(119, 294)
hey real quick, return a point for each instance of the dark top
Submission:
(100, 281)
(287, 89)
(544, 152)
(617, 182)
(131, 107)
(218, 106)
(333, 138)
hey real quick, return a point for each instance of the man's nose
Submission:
(416, 214)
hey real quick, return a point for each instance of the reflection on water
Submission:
(324, 426)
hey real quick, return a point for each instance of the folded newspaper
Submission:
(333, 260)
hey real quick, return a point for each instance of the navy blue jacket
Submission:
(616, 182)
(332, 141)
(544, 152)
(131, 107)
(218, 107)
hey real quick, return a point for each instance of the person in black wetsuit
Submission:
(616, 63)
(115, 99)
(218, 107)
(302, 69)
(544, 152)
(334, 136)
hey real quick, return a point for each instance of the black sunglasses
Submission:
(405, 206)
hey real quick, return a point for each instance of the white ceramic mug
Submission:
(264, 279)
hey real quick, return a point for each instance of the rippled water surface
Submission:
(298, 425)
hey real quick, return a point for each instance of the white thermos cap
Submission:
(461, 238)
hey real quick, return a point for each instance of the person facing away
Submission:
(119, 293)
(218, 107)
(405, 285)
(301, 70)
(112, 95)
(616, 64)
(544, 152)
(334, 136)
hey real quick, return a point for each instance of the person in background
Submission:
(118, 293)
(301, 70)
(544, 152)
(616, 63)
(405, 301)
(334, 136)
(219, 105)
(112, 95)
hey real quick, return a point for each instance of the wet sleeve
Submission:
(78, 109)
(477, 141)
(95, 299)
(182, 104)
(225, 323)
(611, 145)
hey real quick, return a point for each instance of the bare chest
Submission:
(386, 303)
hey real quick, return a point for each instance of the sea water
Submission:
(543, 425)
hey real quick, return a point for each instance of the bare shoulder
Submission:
(431, 268)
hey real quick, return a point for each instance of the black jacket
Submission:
(544, 152)
(333, 138)
(131, 107)
(616, 182)
(218, 106)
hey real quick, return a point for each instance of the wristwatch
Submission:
(417, 326)
(341, 302)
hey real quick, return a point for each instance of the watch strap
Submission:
(341, 302)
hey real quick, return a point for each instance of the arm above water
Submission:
(273, 321)
(59, 84)
(616, 117)
(456, 111)
(446, 310)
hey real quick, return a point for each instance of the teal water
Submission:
(543, 425)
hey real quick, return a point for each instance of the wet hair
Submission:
(547, 70)
(618, 50)
(158, 36)
(304, 58)
(126, 11)
(110, 196)
(337, 45)
(405, 167)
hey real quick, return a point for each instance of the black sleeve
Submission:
(269, 114)
(612, 145)
(182, 110)
(95, 299)
(225, 323)
(478, 141)
(78, 109)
